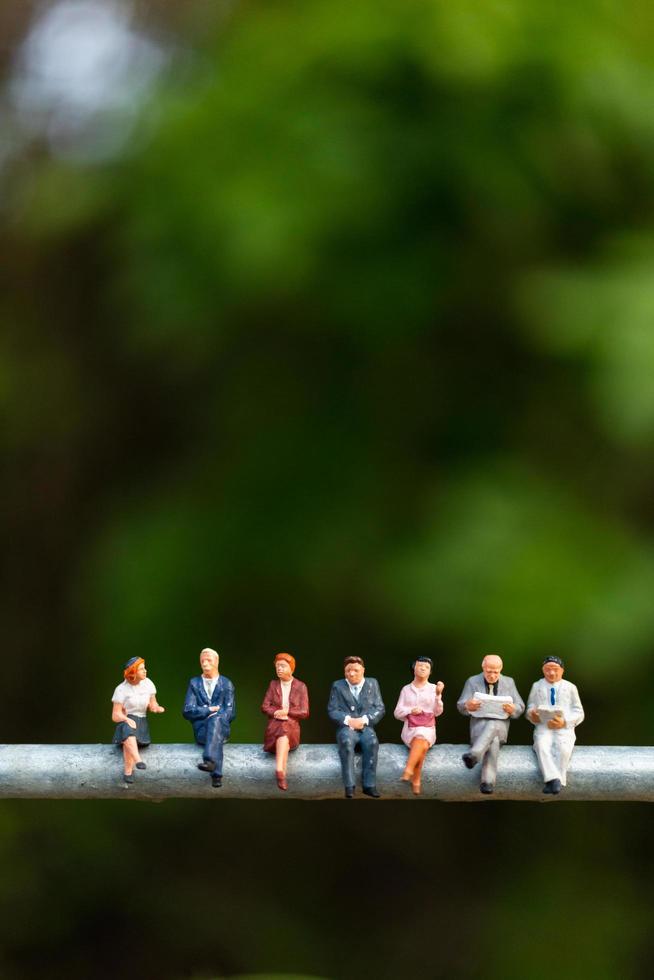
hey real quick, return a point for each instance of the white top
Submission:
(134, 697)
(286, 690)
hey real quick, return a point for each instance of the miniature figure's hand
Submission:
(131, 722)
(508, 708)
(214, 707)
(356, 724)
(415, 711)
(473, 705)
(535, 717)
(281, 714)
(557, 722)
(159, 710)
(440, 687)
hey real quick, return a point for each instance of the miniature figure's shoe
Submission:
(207, 765)
(372, 791)
(487, 788)
(469, 760)
(141, 765)
(281, 779)
(216, 780)
(128, 779)
(349, 792)
(552, 786)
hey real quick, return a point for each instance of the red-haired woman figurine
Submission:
(131, 700)
(286, 703)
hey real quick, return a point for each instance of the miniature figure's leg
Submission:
(281, 753)
(130, 754)
(423, 748)
(415, 754)
(347, 739)
(369, 752)
(213, 747)
(543, 747)
(564, 743)
(481, 743)
(489, 767)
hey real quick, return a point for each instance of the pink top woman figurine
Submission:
(418, 706)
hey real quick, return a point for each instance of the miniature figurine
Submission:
(491, 700)
(286, 703)
(555, 709)
(210, 706)
(355, 706)
(418, 706)
(131, 700)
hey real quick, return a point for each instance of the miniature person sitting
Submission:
(131, 700)
(210, 706)
(355, 706)
(419, 705)
(286, 703)
(488, 734)
(554, 737)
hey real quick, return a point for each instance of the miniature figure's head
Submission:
(492, 665)
(209, 662)
(421, 667)
(135, 671)
(553, 670)
(284, 666)
(354, 669)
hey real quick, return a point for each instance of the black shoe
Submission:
(216, 780)
(487, 788)
(349, 792)
(128, 779)
(141, 765)
(552, 786)
(207, 765)
(371, 791)
(469, 760)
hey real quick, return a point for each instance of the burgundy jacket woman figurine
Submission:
(286, 703)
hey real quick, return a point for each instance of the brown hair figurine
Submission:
(286, 703)
(131, 700)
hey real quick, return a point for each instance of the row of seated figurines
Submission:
(490, 699)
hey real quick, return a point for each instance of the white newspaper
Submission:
(546, 712)
(491, 705)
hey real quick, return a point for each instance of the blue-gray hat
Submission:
(553, 660)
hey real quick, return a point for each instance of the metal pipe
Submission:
(597, 772)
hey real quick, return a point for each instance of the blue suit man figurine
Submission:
(355, 706)
(210, 706)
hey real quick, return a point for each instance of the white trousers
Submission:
(553, 748)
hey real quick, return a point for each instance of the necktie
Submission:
(552, 696)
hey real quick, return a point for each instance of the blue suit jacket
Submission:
(197, 704)
(341, 702)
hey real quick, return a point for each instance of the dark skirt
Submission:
(141, 732)
(277, 727)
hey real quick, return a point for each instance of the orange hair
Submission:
(290, 660)
(130, 672)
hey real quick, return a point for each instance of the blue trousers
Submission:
(347, 739)
(213, 742)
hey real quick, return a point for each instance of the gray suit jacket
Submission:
(505, 685)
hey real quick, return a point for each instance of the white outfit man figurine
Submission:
(488, 734)
(554, 737)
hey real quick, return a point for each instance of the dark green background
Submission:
(351, 350)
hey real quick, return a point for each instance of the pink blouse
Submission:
(424, 698)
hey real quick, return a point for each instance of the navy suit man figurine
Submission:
(210, 706)
(355, 706)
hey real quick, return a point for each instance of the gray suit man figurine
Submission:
(554, 736)
(355, 706)
(487, 734)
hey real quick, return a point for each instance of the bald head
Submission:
(209, 662)
(491, 666)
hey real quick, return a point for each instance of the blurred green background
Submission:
(326, 327)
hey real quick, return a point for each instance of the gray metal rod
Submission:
(597, 772)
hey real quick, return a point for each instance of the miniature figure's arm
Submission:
(466, 695)
(228, 701)
(377, 709)
(532, 714)
(403, 706)
(300, 710)
(119, 714)
(268, 706)
(154, 707)
(438, 704)
(518, 703)
(193, 710)
(335, 712)
(575, 714)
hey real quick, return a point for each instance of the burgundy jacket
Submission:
(298, 700)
